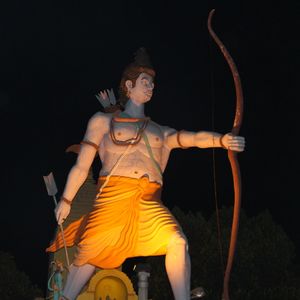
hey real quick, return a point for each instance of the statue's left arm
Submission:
(205, 139)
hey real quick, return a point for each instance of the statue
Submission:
(128, 218)
(55, 282)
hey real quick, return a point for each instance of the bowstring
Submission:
(213, 98)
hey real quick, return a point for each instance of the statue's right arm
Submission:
(98, 125)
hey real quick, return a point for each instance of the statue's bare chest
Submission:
(135, 133)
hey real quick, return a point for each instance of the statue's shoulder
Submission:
(100, 116)
(100, 120)
(165, 130)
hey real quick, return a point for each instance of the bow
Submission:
(232, 156)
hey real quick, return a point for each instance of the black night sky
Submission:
(56, 55)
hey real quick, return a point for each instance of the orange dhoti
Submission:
(127, 220)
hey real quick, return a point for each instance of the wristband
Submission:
(66, 200)
(221, 142)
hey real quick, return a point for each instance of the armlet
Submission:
(90, 143)
(178, 139)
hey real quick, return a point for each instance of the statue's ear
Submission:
(128, 84)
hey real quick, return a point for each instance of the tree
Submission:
(14, 284)
(263, 265)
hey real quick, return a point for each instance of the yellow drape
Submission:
(127, 220)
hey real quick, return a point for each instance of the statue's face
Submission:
(143, 89)
(59, 265)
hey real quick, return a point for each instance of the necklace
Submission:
(128, 119)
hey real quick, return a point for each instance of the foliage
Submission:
(14, 284)
(263, 264)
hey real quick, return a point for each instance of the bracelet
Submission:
(178, 139)
(66, 200)
(221, 142)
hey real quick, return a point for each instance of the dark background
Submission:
(56, 55)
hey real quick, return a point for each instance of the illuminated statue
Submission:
(55, 282)
(128, 218)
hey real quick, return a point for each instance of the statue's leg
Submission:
(178, 267)
(77, 278)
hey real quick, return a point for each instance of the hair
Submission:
(140, 65)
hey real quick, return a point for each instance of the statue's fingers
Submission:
(239, 149)
(232, 148)
(57, 216)
(236, 145)
(61, 220)
(237, 140)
